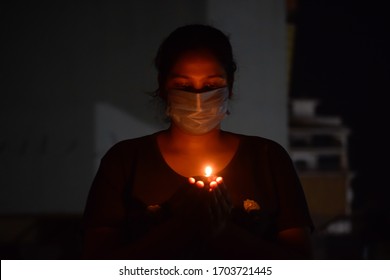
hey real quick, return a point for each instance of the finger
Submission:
(191, 180)
(215, 207)
(213, 185)
(215, 182)
(225, 193)
(223, 199)
(199, 184)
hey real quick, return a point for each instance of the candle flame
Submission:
(208, 170)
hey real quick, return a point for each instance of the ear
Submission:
(230, 93)
(162, 94)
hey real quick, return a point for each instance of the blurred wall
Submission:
(259, 38)
(76, 79)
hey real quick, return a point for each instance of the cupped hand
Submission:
(220, 205)
(202, 207)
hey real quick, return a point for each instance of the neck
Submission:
(185, 141)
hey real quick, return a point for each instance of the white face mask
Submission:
(198, 113)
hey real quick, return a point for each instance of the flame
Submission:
(207, 171)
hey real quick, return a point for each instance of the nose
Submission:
(198, 85)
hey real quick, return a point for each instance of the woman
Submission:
(147, 200)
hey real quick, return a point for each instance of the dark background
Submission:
(342, 58)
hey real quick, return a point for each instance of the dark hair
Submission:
(193, 37)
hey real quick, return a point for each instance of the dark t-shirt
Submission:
(261, 170)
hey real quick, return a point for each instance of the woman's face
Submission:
(196, 71)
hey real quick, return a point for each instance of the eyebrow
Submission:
(174, 75)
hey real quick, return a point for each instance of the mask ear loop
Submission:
(168, 111)
(229, 103)
(227, 110)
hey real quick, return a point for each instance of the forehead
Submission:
(199, 63)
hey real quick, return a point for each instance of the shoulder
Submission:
(259, 143)
(264, 149)
(128, 147)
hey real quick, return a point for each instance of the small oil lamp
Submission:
(208, 180)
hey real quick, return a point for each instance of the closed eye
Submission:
(183, 87)
(210, 87)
